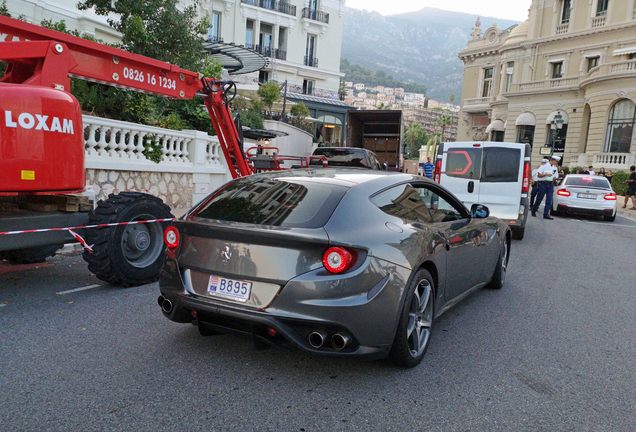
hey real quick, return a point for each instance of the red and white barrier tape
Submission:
(78, 237)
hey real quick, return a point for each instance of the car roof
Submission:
(344, 176)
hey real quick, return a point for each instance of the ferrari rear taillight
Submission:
(437, 176)
(337, 259)
(610, 196)
(525, 185)
(563, 192)
(171, 237)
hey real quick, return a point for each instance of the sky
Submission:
(509, 9)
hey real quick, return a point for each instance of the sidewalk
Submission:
(626, 213)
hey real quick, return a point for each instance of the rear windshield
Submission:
(591, 182)
(286, 202)
(500, 165)
(463, 163)
(342, 157)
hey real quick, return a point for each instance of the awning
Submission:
(526, 119)
(329, 119)
(496, 125)
(624, 51)
(236, 59)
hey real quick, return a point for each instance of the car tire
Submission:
(610, 218)
(415, 321)
(518, 233)
(31, 255)
(499, 275)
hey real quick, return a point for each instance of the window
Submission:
(416, 203)
(592, 62)
(500, 165)
(310, 51)
(556, 137)
(249, 34)
(601, 7)
(590, 182)
(557, 70)
(263, 77)
(497, 136)
(463, 163)
(510, 69)
(525, 134)
(308, 87)
(620, 127)
(565, 13)
(274, 202)
(214, 31)
(486, 90)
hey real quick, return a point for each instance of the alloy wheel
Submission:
(418, 330)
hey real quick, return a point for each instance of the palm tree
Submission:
(443, 121)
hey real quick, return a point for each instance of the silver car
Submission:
(347, 262)
(585, 194)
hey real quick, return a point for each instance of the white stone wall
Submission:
(175, 189)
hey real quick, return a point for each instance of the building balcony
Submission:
(598, 21)
(274, 5)
(608, 71)
(311, 61)
(315, 15)
(477, 104)
(553, 83)
(280, 54)
(562, 28)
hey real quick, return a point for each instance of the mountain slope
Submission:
(418, 47)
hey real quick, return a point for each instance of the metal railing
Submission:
(311, 61)
(315, 15)
(275, 5)
(280, 54)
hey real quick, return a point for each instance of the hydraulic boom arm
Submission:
(42, 57)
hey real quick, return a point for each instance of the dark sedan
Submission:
(337, 262)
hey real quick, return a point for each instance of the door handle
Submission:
(471, 186)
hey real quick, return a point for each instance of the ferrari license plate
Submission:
(229, 288)
(586, 196)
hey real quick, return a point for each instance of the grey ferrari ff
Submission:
(343, 262)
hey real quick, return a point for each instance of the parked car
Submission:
(495, 174)
(585, 194)
(347, 157)
(336, 262)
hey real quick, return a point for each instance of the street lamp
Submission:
(555, 127)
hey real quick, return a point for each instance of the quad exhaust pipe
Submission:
(166, 305)
(340, 341)
(317, 339)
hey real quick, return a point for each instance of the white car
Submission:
(585, 194)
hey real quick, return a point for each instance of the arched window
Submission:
(620, 127)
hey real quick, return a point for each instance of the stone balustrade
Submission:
(191, 166)
(598, 21)
(617, 161)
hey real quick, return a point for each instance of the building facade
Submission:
(86, 22)
(563, 81)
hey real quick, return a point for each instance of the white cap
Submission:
(556, 158)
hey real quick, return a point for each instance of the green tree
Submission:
(156, 28)
(299, 110)
(269, 93)
(415, 137)
(431, 144)
(3, 8)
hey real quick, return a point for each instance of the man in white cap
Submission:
(545, 175)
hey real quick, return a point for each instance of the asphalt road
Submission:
(554, 350)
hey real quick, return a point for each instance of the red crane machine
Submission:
(42, 149)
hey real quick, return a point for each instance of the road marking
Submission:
(86, 288)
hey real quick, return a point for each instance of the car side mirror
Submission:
(479, 211)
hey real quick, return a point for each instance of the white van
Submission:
(495, 174)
